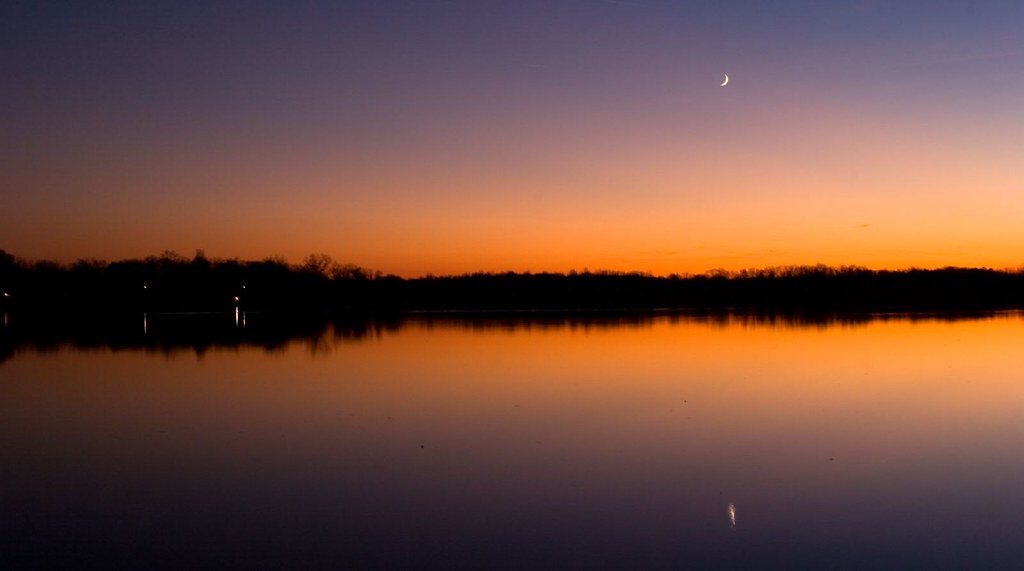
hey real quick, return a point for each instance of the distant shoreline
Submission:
(172, 283)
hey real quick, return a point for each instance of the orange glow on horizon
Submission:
(875, 153)
(730, 187)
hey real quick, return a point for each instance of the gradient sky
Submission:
(416, 136)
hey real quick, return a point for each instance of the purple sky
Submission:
(448, 136)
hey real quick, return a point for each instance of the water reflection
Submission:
(558, 441)
(198, 333)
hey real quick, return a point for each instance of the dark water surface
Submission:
(677, 442)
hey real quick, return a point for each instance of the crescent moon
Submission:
(726, 82)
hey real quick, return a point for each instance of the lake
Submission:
(615, 442)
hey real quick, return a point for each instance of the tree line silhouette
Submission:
(174, 283)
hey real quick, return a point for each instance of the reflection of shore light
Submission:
(236, 317)
(732, 515)
(145, 325)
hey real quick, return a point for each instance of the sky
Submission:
(433, 136)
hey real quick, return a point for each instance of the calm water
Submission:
(663, 442)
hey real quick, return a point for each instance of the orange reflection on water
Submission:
(643, 429)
